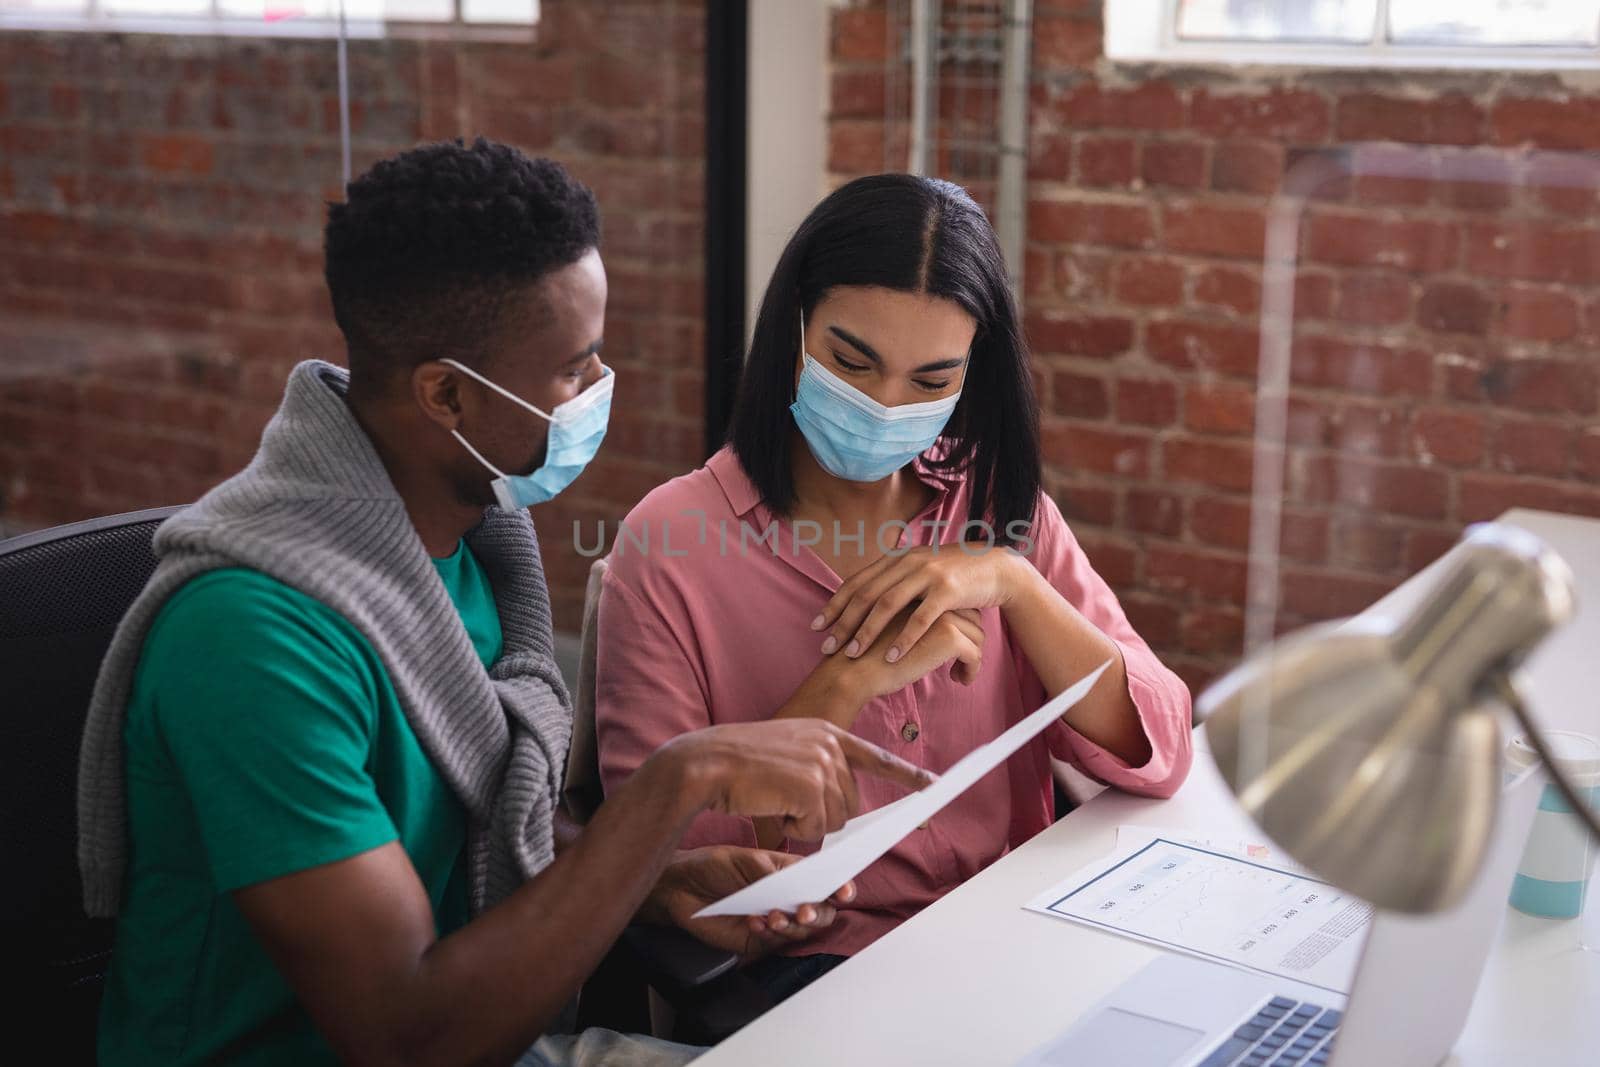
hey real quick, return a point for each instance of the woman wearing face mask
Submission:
(873, 548)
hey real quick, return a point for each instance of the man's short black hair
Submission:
(426, 248)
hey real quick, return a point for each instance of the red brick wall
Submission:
(160, 232)
(1443, 351)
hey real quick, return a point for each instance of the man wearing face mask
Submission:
(319, 776)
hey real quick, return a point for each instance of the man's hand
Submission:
(357, 941)
(799, 772)
(704, 876)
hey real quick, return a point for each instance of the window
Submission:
(1496, 34)
(268, 18)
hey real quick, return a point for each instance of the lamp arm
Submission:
(1585, 811)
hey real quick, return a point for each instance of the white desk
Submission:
(975, 979)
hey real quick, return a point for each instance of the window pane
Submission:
(278, 10)
(419, 10)
(50, 7)
(156, 7)
(354, 10)
(1495, 22)
(521, 12)
(1277, 20)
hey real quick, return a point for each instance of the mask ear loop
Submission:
(477, 455)
(795, 389)
(514, 398)
(508, 394)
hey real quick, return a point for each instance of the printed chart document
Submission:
(849, 851)
(1131, 837)
(1222, 907)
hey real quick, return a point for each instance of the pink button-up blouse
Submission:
(705, 618)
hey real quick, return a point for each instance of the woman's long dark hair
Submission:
(917, 235)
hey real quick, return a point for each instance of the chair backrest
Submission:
(62, 593)
(583, 793)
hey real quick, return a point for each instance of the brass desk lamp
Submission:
(1370, 752)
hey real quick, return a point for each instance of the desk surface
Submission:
(975, 979)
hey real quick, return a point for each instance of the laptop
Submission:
(1182, 1011)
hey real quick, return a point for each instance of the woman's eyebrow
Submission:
(867, 350)
(857, 343)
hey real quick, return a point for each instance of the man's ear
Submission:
(435, 386)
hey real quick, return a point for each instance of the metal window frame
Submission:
(1147, 31)
(727, 70)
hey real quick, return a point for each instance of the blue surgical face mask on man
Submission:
(577, 427)
(852, 435)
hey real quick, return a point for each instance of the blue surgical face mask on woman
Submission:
(852, 435)
(577, 427)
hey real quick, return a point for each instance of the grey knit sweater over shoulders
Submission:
(316, 510)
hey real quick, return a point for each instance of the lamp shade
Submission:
(1370, 752)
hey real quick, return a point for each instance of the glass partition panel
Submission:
(1428, 363)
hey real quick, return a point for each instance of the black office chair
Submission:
(699, 987)
(62, 593)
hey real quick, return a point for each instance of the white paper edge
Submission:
(857, 845)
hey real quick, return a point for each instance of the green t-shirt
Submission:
(263, 737)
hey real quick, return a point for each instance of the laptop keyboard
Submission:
(1284, 1033)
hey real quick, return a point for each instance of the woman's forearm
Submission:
(1063, 646)
(827, 693)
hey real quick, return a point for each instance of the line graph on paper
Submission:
(1222, 907)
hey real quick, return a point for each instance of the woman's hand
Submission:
(955, 638)
(704, 876)
(889, 607)
(839, 687)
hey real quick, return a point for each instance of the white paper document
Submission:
(1131, 837)
(1220, 906)
(856, 845)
